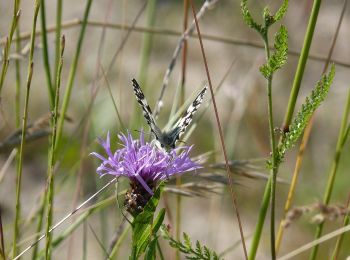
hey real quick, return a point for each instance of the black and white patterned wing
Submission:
(187, 117)
(147, 112)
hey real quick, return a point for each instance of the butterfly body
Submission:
(167, 139)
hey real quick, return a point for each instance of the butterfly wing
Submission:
(147, 112)
(187, 117)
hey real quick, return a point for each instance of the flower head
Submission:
(143, 163)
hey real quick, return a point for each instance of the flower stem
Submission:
(273, 171)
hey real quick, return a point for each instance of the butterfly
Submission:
(167, 139)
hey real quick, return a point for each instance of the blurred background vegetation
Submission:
(242, 106)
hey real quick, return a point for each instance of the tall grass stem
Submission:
(23, 135)
(72, 74)
(45, 50)
(8, 41)
(301, 64)
(58, 30)
(340, 238)
(52, 155)
(228, 171)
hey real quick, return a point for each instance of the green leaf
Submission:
(187, 239)
(158, 221)
(268, 18)
(199, 252)
(151, 250)
(300, 121)
(281, 11)
(142, 224)
(247, 17)
(279, 57)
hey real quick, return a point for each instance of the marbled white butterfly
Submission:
(167, 139)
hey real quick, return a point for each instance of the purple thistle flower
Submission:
(143, 163)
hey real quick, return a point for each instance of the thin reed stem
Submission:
(288, 117)
(72, 74)
(18, 88)
(2, 242)
(228, 171)
(18, 76)
(39, 225)
(340, 238)
(182, 101)
(8, 41)
(46, 55)
(334, 168)
(58, 30)
(52, 156)
(23, 135)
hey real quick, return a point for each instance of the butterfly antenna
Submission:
(141, 131)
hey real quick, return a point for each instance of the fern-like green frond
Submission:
(279, 57)
(248, 17)
(307, 109)
(199, 252)
(281, 11)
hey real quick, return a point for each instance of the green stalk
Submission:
(46, 54)
(301, 64)
(52, 156)
(72, 73)
(287, 120)
(274, 169)
(334, 168)
(58, 35)
(18, 89)
(24, 126)
(5, 61)
(18, 75)
(340, 239)
(346, 222)
(39, 225)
